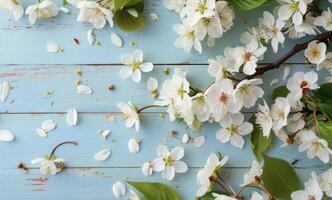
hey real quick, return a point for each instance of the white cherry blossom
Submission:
(316, 52)
(325, 182)
(314, 145)
(200, 107)
(255, 171)
(233, 129)
(233, 60)
(218, 67)
(44, 10)
(226, 15)
(251, 54)
(198, 9)
(209, 26)
(264, 119)
(295, 123)
(48, 165)
(311, 190)
(169, 162)
(327, 63)
(213, 164)
(270, 30)
(247, 92)
(221, 100)
(279, 113)
(13, 7)
(294, 9)
(130, 114)
(134, 64)
(307, 27)
(325, 20)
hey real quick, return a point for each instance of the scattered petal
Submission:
(104, 133)
(199, 141)
(4, 91)
(119, 189)
(152, 84)
(52, 47)
(103, 154)
(185, 138)
(133, 12)
(41, 132)
(71, 117)
(91, 37)
(147, 168)
(154, 16)
(286, 73)
(6, 136)
(274, 81)
(133, 145)
(48, 125)
(116, 40)
(84, 89)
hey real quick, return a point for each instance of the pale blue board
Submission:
(32, 71)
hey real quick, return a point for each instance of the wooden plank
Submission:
(154, 131)
(21, 43)
(30, 83)
(87, 184)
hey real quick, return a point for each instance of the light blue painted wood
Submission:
(154, 131)
(85, 184)
(30, 83)
(23, 44)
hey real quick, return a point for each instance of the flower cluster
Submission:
(201, 19)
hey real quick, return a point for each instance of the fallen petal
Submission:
(72, 117)
(84, 89)
(185, 138)
(119, 189)
(48, 125)
(116, 40)
(103, 154)
(4, 90)
(91, 37)
(154, 16)
(52, 47)
(133, 145)
(41, 132)
(199, 141)
(6, 136)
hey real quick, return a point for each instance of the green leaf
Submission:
(119, 4)
(324, 92)
(153, 191)
(326, 107)
(259, 143)
(248, 4)
(207, 196)
(279, 178)
(325, 131)
(127, 22)
(280, 91)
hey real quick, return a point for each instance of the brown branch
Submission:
(62, 143)
(324, 37)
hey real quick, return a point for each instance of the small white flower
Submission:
(306, 28)
(119, 189)
(233, 60)
(185, 138)
(325, 182)
(325, 20)
(134, 65)
(255, 171)
(49, 165)
(168, 162)
(200, 107)
(270, 30)
(134, 145)
(147, 168)
(93, 12)
(315, 52)
(91, 36)
(294, 9)
(199, 141)
(295, 123)
(53, 47)
(13, 7)
(220, 99)
(264, 119)
(279, 113)
(188, 38)
(198, 9)
(311, 190)
(116, 40)
(103, 154)
(84, 89)
(300, 83)
(209, 26)
(314, 145)
(4, 90)
(43, 10)
(130, 114)
(71, 117)
(233, 128)
(218, 67)
(210, 169)
(225, 14)
(251, 54)
(6, 136)
(247, 92)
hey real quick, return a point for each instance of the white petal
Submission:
(116, 40)
(91, 36)
(4, 91)
(185, 138)
(177, 153)
(133, 12)
(147, 169)
(52, 47)
(152, 84)
(71, 117)
(84, 89)
(136, 76)
(6, 136)
(48, 125)
(119, 189)
(133, 145)
(146, 67)
(103, 154)
(41, 132)
(199, 141)
(169, 173)
(154, 16)
(180, 167)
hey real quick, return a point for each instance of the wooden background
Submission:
(32, 71)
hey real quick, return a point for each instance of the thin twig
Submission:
(62, 143)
